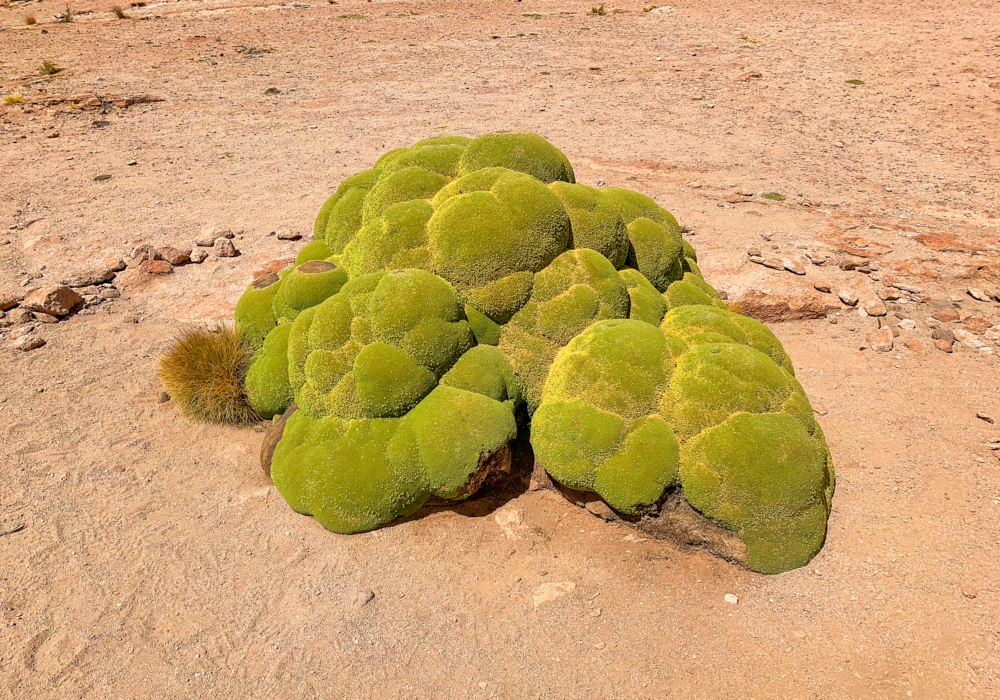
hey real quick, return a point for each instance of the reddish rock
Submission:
(288, 235)
(881, 340)
(976, 324)
(822, 287)
(46, 318)
(21, 316)
(224, 248)
(874, 307)
(10, 299)
(274, 266)
(89, 277)
(773, 264)
(943, 334)
(156, 267)
(793, 266)
(57, 300)
(174, 256)
(28, 342)
(889, 294)
(943, 345)
(198, 256)
(848, 297)
(946, 315)
(114, 264)
(774, 307)
(916, 346)
(979, 295)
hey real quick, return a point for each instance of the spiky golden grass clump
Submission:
(203, 372)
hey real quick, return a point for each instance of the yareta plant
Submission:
(461, 283)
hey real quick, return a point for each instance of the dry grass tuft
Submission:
(49, 68)
(119, 12)
(66, 15)
(203, 372)
(29, 20)
(13, 99)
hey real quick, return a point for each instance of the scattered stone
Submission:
(822, 287)
(815, 259)
(601, 510)
(46, 318)
(114, 264)
(792, 266)
(969, 593)
(976, 324)
(754, 252)
(364, 597)
(89, 278)
(966, 338)
(946, 315)
(756, 259)
(21, 316)
(964, 314)
(224, 248)
(908, 288)
(274, 266)
(848, 297)
(174, 256)
(881, 340)
(916, 346)
(142, 253)
(979, 294)
(731, 598)
(108, 293)
(943, 334)
(847, 264)
(288, 235)
(874, 307)
(208, 235)
(773, 264)
(28, 342)
(888, 294)
(198, 256)
(156, 267)
(23, 330)
(908, 324)
(943, 345)
(57, 300)
(552, 591)
(982, 416)
(9, 299)
(775, 307)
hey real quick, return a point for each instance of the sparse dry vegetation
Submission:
(13, 99)
(30, 20)
(49, 68)
(119, 12)
(203, 372)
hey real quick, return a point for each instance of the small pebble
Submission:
(731, 598)
(364, 597)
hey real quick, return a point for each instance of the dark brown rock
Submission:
(156, 267)
(175, 256)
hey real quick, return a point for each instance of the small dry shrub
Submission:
(203, 371)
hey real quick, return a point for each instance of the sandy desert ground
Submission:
(142, 555)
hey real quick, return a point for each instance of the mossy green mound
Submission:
(630, 409)
(459, 279)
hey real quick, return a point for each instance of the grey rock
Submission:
(28, 342)
(224, 248)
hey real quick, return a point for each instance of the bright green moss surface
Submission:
(524, 152)
(647, 304)
(266, 382)
(628, 409)
(305, 286)
(579, 288)
(595, 221)
(493, 223)
(254, 315)
(469, 276)
(378, 347)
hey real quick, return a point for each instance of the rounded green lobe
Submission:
(524, 152)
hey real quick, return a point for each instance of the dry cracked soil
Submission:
(143, 555)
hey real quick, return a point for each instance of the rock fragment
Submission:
(793, 266)
(224, 248)
(822, 287)
(756, 259)
(978, 294)
(156, 267)
(754, 252)
(889, 294)
(175, 256)
(28, 342)
(601, 510)
(198, 256)
(57, 300)
(946, 315)
(364, 597)
(848, 297)
(908, 324)
(985, 417)
(731, 598)
(8, 299)
(89, 277)
(114, 264)
(943, 345)
(18, 316)
(141, 253)
(208, 235)
(915, 346)
(966, 338)
(874, 307)
(773, 264)
(881, 340)
(285, 234)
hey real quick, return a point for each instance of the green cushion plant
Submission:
(463, 290)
